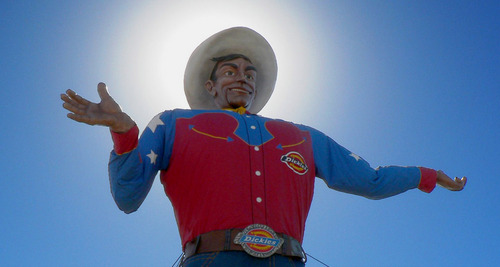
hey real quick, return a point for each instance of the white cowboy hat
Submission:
(237, 40)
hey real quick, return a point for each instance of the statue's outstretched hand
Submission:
(456, 184)
(106, 113)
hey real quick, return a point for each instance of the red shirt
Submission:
(222, 170)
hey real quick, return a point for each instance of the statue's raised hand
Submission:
(445, 181)
(105, 113)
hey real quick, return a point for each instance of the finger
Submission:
(72, 105)
(74, 109)
(105, 121)
(65, 98)
(72, 102)
(76, 97)
(79, 118)
(460, 183)
(102, 89)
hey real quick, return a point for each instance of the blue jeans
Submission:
(240, 259)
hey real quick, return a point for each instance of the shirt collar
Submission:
(240, 110)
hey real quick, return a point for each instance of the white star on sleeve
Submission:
(155, 122)
(152, 156)
(355, 156)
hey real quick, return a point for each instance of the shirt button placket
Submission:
(257, 173)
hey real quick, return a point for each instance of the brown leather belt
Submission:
(222, 240)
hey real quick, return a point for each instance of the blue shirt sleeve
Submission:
(345, 171)
(132, 174)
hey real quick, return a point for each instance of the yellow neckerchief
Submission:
(240, 110)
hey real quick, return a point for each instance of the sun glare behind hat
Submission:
(237, 40)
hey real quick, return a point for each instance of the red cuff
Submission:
(428, 179)
(125, 142)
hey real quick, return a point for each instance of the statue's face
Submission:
(234, 86)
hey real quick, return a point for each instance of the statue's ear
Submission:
(209, 86)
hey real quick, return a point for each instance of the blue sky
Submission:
(396, 82)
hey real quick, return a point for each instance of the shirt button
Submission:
(256, 148)
(257, 173)
(253, 127)
(258, 199)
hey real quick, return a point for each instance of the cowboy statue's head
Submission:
(233, 68)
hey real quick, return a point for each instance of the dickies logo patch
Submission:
(295, 162)
(259, 240)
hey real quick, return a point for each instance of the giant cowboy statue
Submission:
(240, 184)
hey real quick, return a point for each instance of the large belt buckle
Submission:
(259, 240)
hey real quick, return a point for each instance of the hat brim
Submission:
(237, 40)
